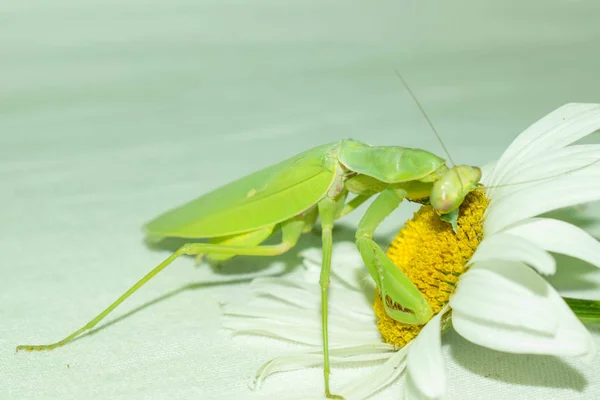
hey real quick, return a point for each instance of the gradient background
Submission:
(114, 111)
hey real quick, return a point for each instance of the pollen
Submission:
(433, 257)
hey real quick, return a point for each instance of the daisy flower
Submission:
(484, 279)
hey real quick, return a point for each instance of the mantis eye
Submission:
(450, 190)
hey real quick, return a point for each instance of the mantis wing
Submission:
(263, 198)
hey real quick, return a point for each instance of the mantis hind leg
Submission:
(248, 239)
(291, 231)
(390, 280)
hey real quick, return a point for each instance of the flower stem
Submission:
(586, 310)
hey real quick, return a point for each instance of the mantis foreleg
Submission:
(390, 280)
(291, 231)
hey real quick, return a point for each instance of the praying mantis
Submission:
(292, 195)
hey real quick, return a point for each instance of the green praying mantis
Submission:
(292, 195)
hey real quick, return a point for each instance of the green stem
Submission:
(587, 311)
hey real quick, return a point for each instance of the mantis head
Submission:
(450, 190)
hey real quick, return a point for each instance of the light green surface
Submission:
(112, 112)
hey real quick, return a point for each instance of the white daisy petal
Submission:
(351, 273)
(352, 270)
(247, 310)
(300, 332)
(425, 363)
(559, 237)
(518, 299)
(564, 191)
(289, 315)
(301, 299)
(290, 310)
(570, 339)
(265, 327)
(307, 295)
(299, 294)
(347, 355)
(560, 128)
(504, 246)
(549, 165)
(381, 377)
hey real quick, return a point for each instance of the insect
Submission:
(289, 197)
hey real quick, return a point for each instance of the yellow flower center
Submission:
(433, 257)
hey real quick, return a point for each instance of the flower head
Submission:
(485, 277)
(434, 257)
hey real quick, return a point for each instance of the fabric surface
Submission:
(112, 112)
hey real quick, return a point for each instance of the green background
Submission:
(114, 111)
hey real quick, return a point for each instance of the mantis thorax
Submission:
(388, 164)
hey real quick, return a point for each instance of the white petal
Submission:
(560, 128)
(504, 246)
(298, 294)
(345, 303)
(559, 237)
(348, 271)
(381, 377)
(292, 362)
(292, 316)
(307, 296)
(291, 310)
(303, 331)
(265, 327)
(576, 188)
(519, 300)
(289, 315)
(570, 339)
(425, 363)
(546, 166)
(347, 264)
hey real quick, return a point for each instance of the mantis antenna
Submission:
(425, 115)
(450, 157)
